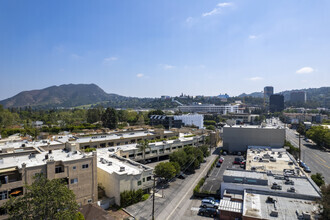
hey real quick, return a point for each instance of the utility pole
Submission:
(299, 149)
(153, 199)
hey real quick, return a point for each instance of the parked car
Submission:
(207, 203)
(242, 162)
(306, 169)
(291, 189)
(221, 159)
(238, 160)
(289, 182)
(218, 164)
(276, 186)
(181, 175)
(212, 212)
(224, 153)
(213, 199)
(239, 153)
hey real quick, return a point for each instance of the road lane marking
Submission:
(194, 209)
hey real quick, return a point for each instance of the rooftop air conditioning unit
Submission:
(122, 169)
(109, 163)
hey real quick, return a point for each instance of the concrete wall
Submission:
(239, 138)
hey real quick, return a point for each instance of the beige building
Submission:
(78, 170)
(121, 138)
(117, 174)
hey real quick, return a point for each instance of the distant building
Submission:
(298, 97)
(219, 109)
(167, 121)
(268, 91)
(164, 97)
(238, 138)
(276, 103)
(191, 119)
(224, 96)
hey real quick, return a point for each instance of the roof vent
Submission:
(32, 155)
(274, 213)
(46, 157)
(122, 169)
(109, 163)
(50, 151)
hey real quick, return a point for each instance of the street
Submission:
(173, 201)
(316, 159)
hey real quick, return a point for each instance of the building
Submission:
(238, 138)
(120, 138)
(276, 103)
(243, 118)
(298, 97)
(268, 91)
(167, 121)
(117, 174)
(271, 160)
(77, 169)
(191, 120)
(219, 109)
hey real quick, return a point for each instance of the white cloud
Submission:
(217, 9)
(109, 59)
(224, 4)
(167, 67)
(139, 75)
(253, 37)
(256, 78)
(305, 70)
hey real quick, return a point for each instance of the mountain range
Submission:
(73, 95)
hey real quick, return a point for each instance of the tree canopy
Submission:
(44, 199)
(110, 118)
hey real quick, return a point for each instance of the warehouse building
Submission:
(237, 138)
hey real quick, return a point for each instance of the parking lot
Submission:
(213, 182)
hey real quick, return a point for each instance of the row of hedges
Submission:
(201, 181)
(128, 198)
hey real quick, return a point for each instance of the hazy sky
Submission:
(148, 48)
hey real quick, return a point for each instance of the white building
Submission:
(191, 119)
(220, 109)
(117, 174)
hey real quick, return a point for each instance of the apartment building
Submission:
(120, 138)
(117, 174)
(77, 169)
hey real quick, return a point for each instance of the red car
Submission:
(221, 159)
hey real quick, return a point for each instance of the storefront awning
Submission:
(8, 170)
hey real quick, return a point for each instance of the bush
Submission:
(318, 179)
(128, 198)
(145, 197)
(199, 184)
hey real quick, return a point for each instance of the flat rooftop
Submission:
(255, 206)
(301, 184)
(258, 158)
(39, 158)
(268, 126)
(111, 163)
(232, 206)
(116, 136)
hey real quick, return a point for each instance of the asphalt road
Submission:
(171, 202)
(316, 159)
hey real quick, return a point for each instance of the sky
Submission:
(150, 48)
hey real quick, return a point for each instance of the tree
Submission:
(110, 118)
(143, 146)
(94, 114)
(318, 179)
(155, 112)
(180, 157)
(325, 202)
(165, 170)
(301, 129)
(44, 199)
(205, 150)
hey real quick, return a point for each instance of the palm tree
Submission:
(142, 146)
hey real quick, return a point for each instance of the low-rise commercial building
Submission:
(211, 108)
(239, 137)
(191, 120)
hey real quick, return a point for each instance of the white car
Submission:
(209, 203)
